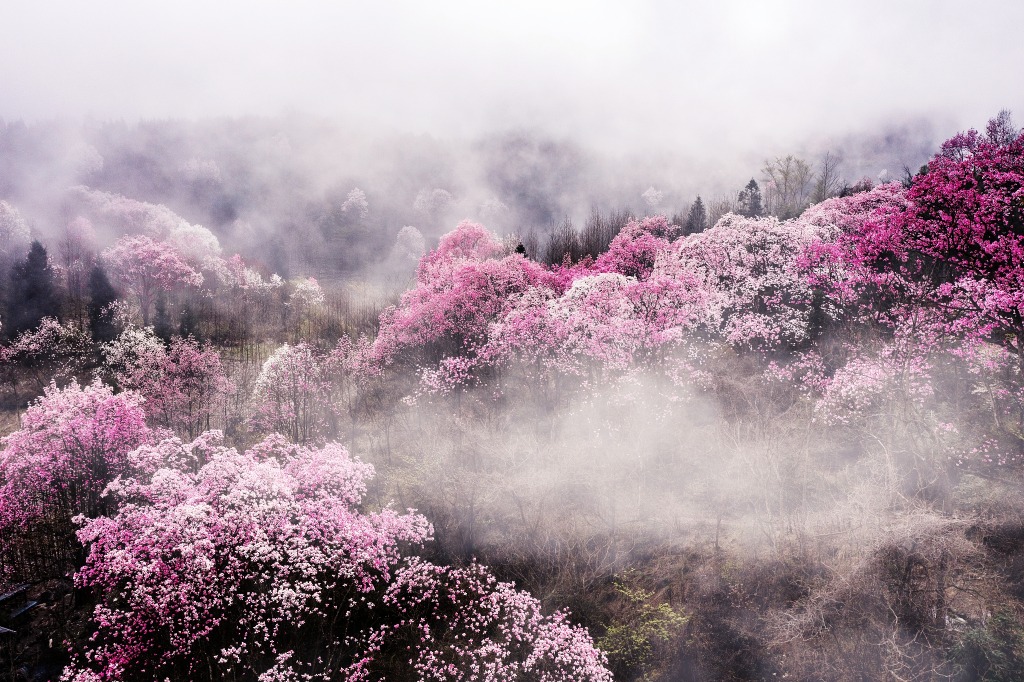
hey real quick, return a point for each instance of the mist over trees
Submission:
(431, 410)
(301, 194)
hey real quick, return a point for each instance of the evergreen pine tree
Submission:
(750, 200)
(101, 295)
(32, 294)
(698, 218)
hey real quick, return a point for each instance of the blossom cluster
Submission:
(260, 565)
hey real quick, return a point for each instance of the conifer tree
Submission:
(101, 295)
(32, 294)
(698, 218)
(750, 200)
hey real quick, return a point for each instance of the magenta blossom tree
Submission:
(633, 251)
(957, 248)
(462, 287)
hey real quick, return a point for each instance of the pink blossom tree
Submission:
(50, 352)
(182, 383)
(260, 566)
(634, 249)
(71, 444)
(462, 286)
(290, 393)
(146, 266)
(468, 241)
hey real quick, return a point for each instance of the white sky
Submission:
(619, 75)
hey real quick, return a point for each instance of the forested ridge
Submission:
(774, 435)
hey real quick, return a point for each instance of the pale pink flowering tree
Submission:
(434, 204)
(867, 387)
(200, 248)
(83, 159)
(146, 266)
(753, 266)
(71, 444)
(183, 383)
(50, 352)
(290, 394)
(451, 373)
(307, 297)
(201, 171)
(603, 321)
(356, 203)
(133, 348)
(245, 278)
(128, 215)
(494, 211)
(409, 245)
(652, 197)
(597, 321)
(486, 630)
(14, 233)
(260, 566)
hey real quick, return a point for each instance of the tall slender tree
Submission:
(826, 181)
(698, 218)
(32, 294)
(162, 326)
(749, 200)
(101, 295)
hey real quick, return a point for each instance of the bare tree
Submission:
(718, 207)
(826, 181)
(788, 185)
(597, 234)
(563, 241)
(531, 244)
